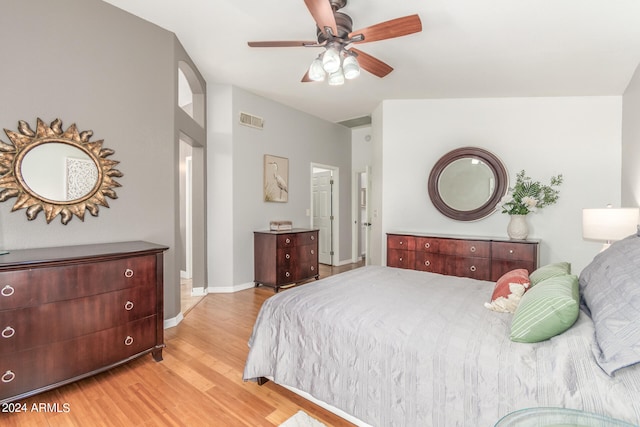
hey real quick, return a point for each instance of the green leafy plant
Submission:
(528, 196)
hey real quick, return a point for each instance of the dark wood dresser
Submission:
(70, 312)
(478, 258)
(284, 257)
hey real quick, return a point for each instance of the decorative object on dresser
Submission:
(67, 313)
(283, 258)
(280, 225)
(477, 257)
(55, 171)
(467, 183)
(524, 197)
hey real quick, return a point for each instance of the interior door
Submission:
(323, 214)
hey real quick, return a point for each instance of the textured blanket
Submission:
(399, 347)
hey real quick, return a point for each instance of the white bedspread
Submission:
(399, 347)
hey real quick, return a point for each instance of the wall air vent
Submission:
(251, 121)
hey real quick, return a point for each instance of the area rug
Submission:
(302, 419)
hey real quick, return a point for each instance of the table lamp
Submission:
(609, 224)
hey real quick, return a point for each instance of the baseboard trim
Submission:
(229, 289)
(174, 321)
(198, 292)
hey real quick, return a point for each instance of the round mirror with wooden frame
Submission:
(55, 171)
(467, 183)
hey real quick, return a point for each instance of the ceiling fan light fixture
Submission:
(331, 59)
(316, 71)
(336, 78)
(350, 67)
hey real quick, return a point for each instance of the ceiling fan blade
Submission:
(371, 64)
(292, 43)
(323, 15)
(390, 29)
(305, 78)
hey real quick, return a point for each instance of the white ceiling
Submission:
(467, 49)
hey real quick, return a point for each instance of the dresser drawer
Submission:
(472, 248)
(395, 241)
(306, 239)
(286, 240)
(514, 251)
(25, 288)
(476, 268)
(428, 244)
(432, 262)
(25, 328)
(47, 365)
(400, 258)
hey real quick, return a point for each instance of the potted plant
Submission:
(524, 197)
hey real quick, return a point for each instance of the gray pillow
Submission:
(610, 288)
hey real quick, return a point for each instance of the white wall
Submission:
(361, 148)
(631, 143)
(236, 203)
(578, 137)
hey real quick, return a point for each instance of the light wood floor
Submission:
(199, 382)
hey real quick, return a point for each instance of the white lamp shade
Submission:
(337, 78)
(609, 224)
(316, 72)
(331, 60)
(350, 67)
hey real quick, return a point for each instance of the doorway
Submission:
(361, 215)
(324, 211)
(191, 279)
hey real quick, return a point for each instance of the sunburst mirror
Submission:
(56, 171)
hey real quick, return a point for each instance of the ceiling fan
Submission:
(334, 33)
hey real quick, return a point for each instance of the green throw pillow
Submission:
(546, 310)
(548, 271)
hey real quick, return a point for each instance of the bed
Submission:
(395, 347)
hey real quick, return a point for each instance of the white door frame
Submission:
(335, 203)
(355, 214)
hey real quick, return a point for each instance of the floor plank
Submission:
(198, 383)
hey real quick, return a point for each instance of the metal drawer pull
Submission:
(400, 259)
(8, 377)
(312, 252)
(7, 291)
(401, 242)
(128, 340)
(312, 268)
(472, 268)
(511, 251)
(288, 240)
(427, 245)
(128, 273)
(287, 256)
(313, 237)
(128, 306)
(287, 274)
(427, 263)
(472, 248)
(8, 332)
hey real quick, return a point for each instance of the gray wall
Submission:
(236, 152)
(89, 63)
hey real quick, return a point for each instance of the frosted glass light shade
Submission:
(609, 224)
(350, 67)
(316, 72)
(331, 60)
(337, 78)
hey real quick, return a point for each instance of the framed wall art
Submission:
(276, 179)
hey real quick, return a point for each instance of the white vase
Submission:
(518, 229)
